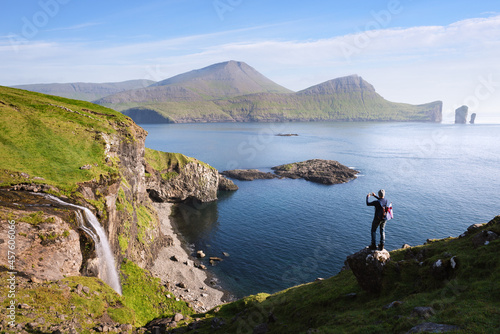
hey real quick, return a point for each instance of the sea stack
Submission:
(472, 118)
(461, 115)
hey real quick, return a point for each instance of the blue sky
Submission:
(413, 51)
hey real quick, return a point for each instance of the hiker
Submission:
(380, 217)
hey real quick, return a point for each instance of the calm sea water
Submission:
(440, 178)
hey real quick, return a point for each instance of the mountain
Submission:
(217, 81)
(85, 91)
(343, 99)
(235, 92)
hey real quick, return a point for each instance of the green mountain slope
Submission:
(86, 91)
(49, 138)
(467, 297)
(235, 92)
(217, 81)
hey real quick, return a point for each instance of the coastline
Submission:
(176, 269)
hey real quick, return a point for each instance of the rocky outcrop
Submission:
(47, 247)
(461, 115)
(317, 170)
(194, 180)
(226, 184)
(368, 267)
(472, 118)
(248, 174)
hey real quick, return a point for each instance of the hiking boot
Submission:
(372, 247)
(380, 246)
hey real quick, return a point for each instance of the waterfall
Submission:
(107, 268)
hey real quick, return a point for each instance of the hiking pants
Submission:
(375, 224)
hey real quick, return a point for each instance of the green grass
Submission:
(468, 298)
(146, 296)
(164, 161)
(40, 138)
(145, 223)
(49, 300)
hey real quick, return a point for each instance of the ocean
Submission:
(278, 233)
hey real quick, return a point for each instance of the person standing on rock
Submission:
(379, 219)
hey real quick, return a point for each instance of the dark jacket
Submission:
(379, 205)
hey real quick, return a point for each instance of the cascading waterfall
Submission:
(106, 260)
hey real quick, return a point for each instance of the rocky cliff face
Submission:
(195, 180)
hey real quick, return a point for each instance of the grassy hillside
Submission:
(469, 297)
(49, 138)
(61, 303)
(343, 99)
(86, 91)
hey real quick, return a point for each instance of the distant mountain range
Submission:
(235, 92)
(86, 91)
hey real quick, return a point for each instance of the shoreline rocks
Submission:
(248, 174)
(314, 170)
(317, 170)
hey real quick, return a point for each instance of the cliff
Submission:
(93, 157)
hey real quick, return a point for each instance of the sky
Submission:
(412, 51)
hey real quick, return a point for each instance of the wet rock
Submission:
(225, 254)
(200, 254)
(368, 266)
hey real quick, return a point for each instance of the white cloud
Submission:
(414, 65)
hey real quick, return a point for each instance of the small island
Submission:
(287, 135)
(315, 170)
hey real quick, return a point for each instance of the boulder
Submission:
(461, 115)
(430, 327)
(444, 269)
(423, 312)
(368, 267)
(484, 238)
